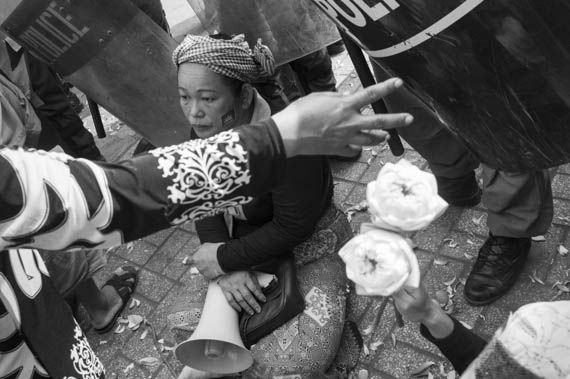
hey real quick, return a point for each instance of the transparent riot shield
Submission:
(496, 72)
(112, 52)
(291, 28)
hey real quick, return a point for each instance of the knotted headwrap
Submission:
(232, 58)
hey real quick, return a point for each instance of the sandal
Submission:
(124, 281)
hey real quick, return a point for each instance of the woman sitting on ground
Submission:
(216, 80)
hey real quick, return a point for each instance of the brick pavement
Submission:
(446, 250)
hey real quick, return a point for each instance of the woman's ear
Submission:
(246, 95)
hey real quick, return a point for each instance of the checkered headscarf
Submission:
(232, 58)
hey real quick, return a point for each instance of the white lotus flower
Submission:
(403, 198)
(380, 263)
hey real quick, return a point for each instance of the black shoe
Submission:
(497, 268)
(460, 192)
(336, 48)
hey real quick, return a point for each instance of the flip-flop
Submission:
(124, 281)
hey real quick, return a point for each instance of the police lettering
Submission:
(53, 33)
(354, 10)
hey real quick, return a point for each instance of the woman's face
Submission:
(208, 100)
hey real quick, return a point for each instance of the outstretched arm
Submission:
(54, 202)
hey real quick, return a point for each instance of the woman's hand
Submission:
(242, 290)
(331, 123)
(415, 305)
(206, 260)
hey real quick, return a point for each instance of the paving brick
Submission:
(473, 221)
(410, 334)
(117, 368)
(352, 171)
(167, 253)
(108, 345)
(138, 251)
(561, 186)
(494, 318)
(458, 243)
(144, 349)
(431, 237)
(175, 269)
(341, 191)
(159, 237)
(565, 169)
(561, 212)
(153, 286)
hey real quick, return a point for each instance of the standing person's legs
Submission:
(56, 113)
(449, 160)
(315, 72)
(519, 206)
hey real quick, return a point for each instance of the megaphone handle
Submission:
(366, 78)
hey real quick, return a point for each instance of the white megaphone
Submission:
(216, 345)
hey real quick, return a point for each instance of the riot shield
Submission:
(291, 28)
(496, 72)
(112, 52)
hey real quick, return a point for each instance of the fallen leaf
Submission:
(563, 288)
(442, 297)
(468, 256)
(477, 220)
(394, 340)
(440, 261)
(102, 342)
(369, 161)
(187, 261)
(149, 362)
(430, 375)
(532, 279)
(538, 239)
(368, 330)
(463, 281)
(363, 374)
(374, 345)
(128, 368)
(143, 334)
(564, 218)
(122, 320)
(466, 325)
(120, 329)
(441, 368)
(134, 303)
(482, 317)
(130, 247)
(135, 321)
(469, 242)
(421, 370)
(450, 282)
(365, 350)
(536, 278)
(562, 250)
(450, 242)
(194, 271)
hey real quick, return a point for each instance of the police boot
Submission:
(499, 263)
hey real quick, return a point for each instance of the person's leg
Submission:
(101, 304)
(315, 72)
(449, 160)
(519, 206)
(55, 112)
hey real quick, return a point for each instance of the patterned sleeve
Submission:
(53, 202)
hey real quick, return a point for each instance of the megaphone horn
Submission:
(215, 346)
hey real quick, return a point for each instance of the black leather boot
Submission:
(499, 263)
